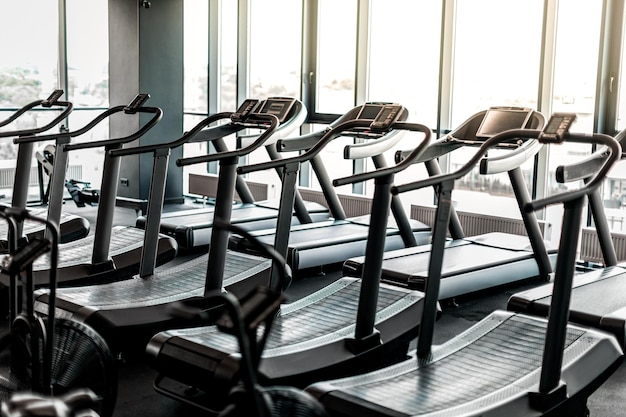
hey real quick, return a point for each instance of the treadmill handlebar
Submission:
(48, 104)
(157, 115)
(510, 160)
(408, 160)
(186, 138)
(107, 113)
(436, 149)
(615, 153)
(300, 143)
(257, 120)
(582, 169)
(489, 143)
(328, 135)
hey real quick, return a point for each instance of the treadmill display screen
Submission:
(500, 119)
(369, 111)
(279, 107)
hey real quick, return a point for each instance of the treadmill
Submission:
(192, 228)
(71, 227)
(339, 238)
(345, 327)
(128, 312)
(488, 260)
(111, 253)
(507, 364)
(598, 296)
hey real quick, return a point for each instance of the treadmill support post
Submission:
(561, 295)
(399, 214)
(219, 236)
(456, 230)
(530, 222)
(155, 209)
(240, 184)
(106, 209)
(57, 181)
(300, 209)
(22, 178)
(429, 314)
(368, 297)
(283, 222)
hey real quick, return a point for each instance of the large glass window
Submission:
(87, 56)
(227, 97)
(496, 63)
(275, 48)
(336, 56)
(196, 56)
(29, 45)
(496, 55)
(574, 85)
(404, 56)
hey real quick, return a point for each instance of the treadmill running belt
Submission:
(463, 373)
(123, 238)
(167, 285)
(595, 294)
(457, 259)
(310, 322)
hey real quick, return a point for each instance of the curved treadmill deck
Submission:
(75, 267)
(480, 371)
(127, 313)
(71, 227)
(333, 241)
(469, 264)
(307, 341)
(193, 228)
(598, 300)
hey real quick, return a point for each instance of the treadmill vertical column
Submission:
(429, 314)
(283, 222)
(219, 236)
(368, 297)
(531, 223)
(399, 214)
(155, 209)
(22, 179)
(57, 182)
(106, 210)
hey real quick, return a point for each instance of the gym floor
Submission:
(136, 397)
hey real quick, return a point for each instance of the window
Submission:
(574, 85)
(33, 64)
(28, 63)
(336, 56)
(275, 48)
(404, 56)
(496, 62)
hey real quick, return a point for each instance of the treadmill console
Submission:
(246, 108)
(388, 115)
(557, 127)
(137, 102)
(500, 119)
(381, 115)
(278, 106)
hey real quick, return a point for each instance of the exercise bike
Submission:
(49, 356)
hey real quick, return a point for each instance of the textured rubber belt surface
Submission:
(166, 285)
(497, 364)
(123, 238)
(327, 317)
